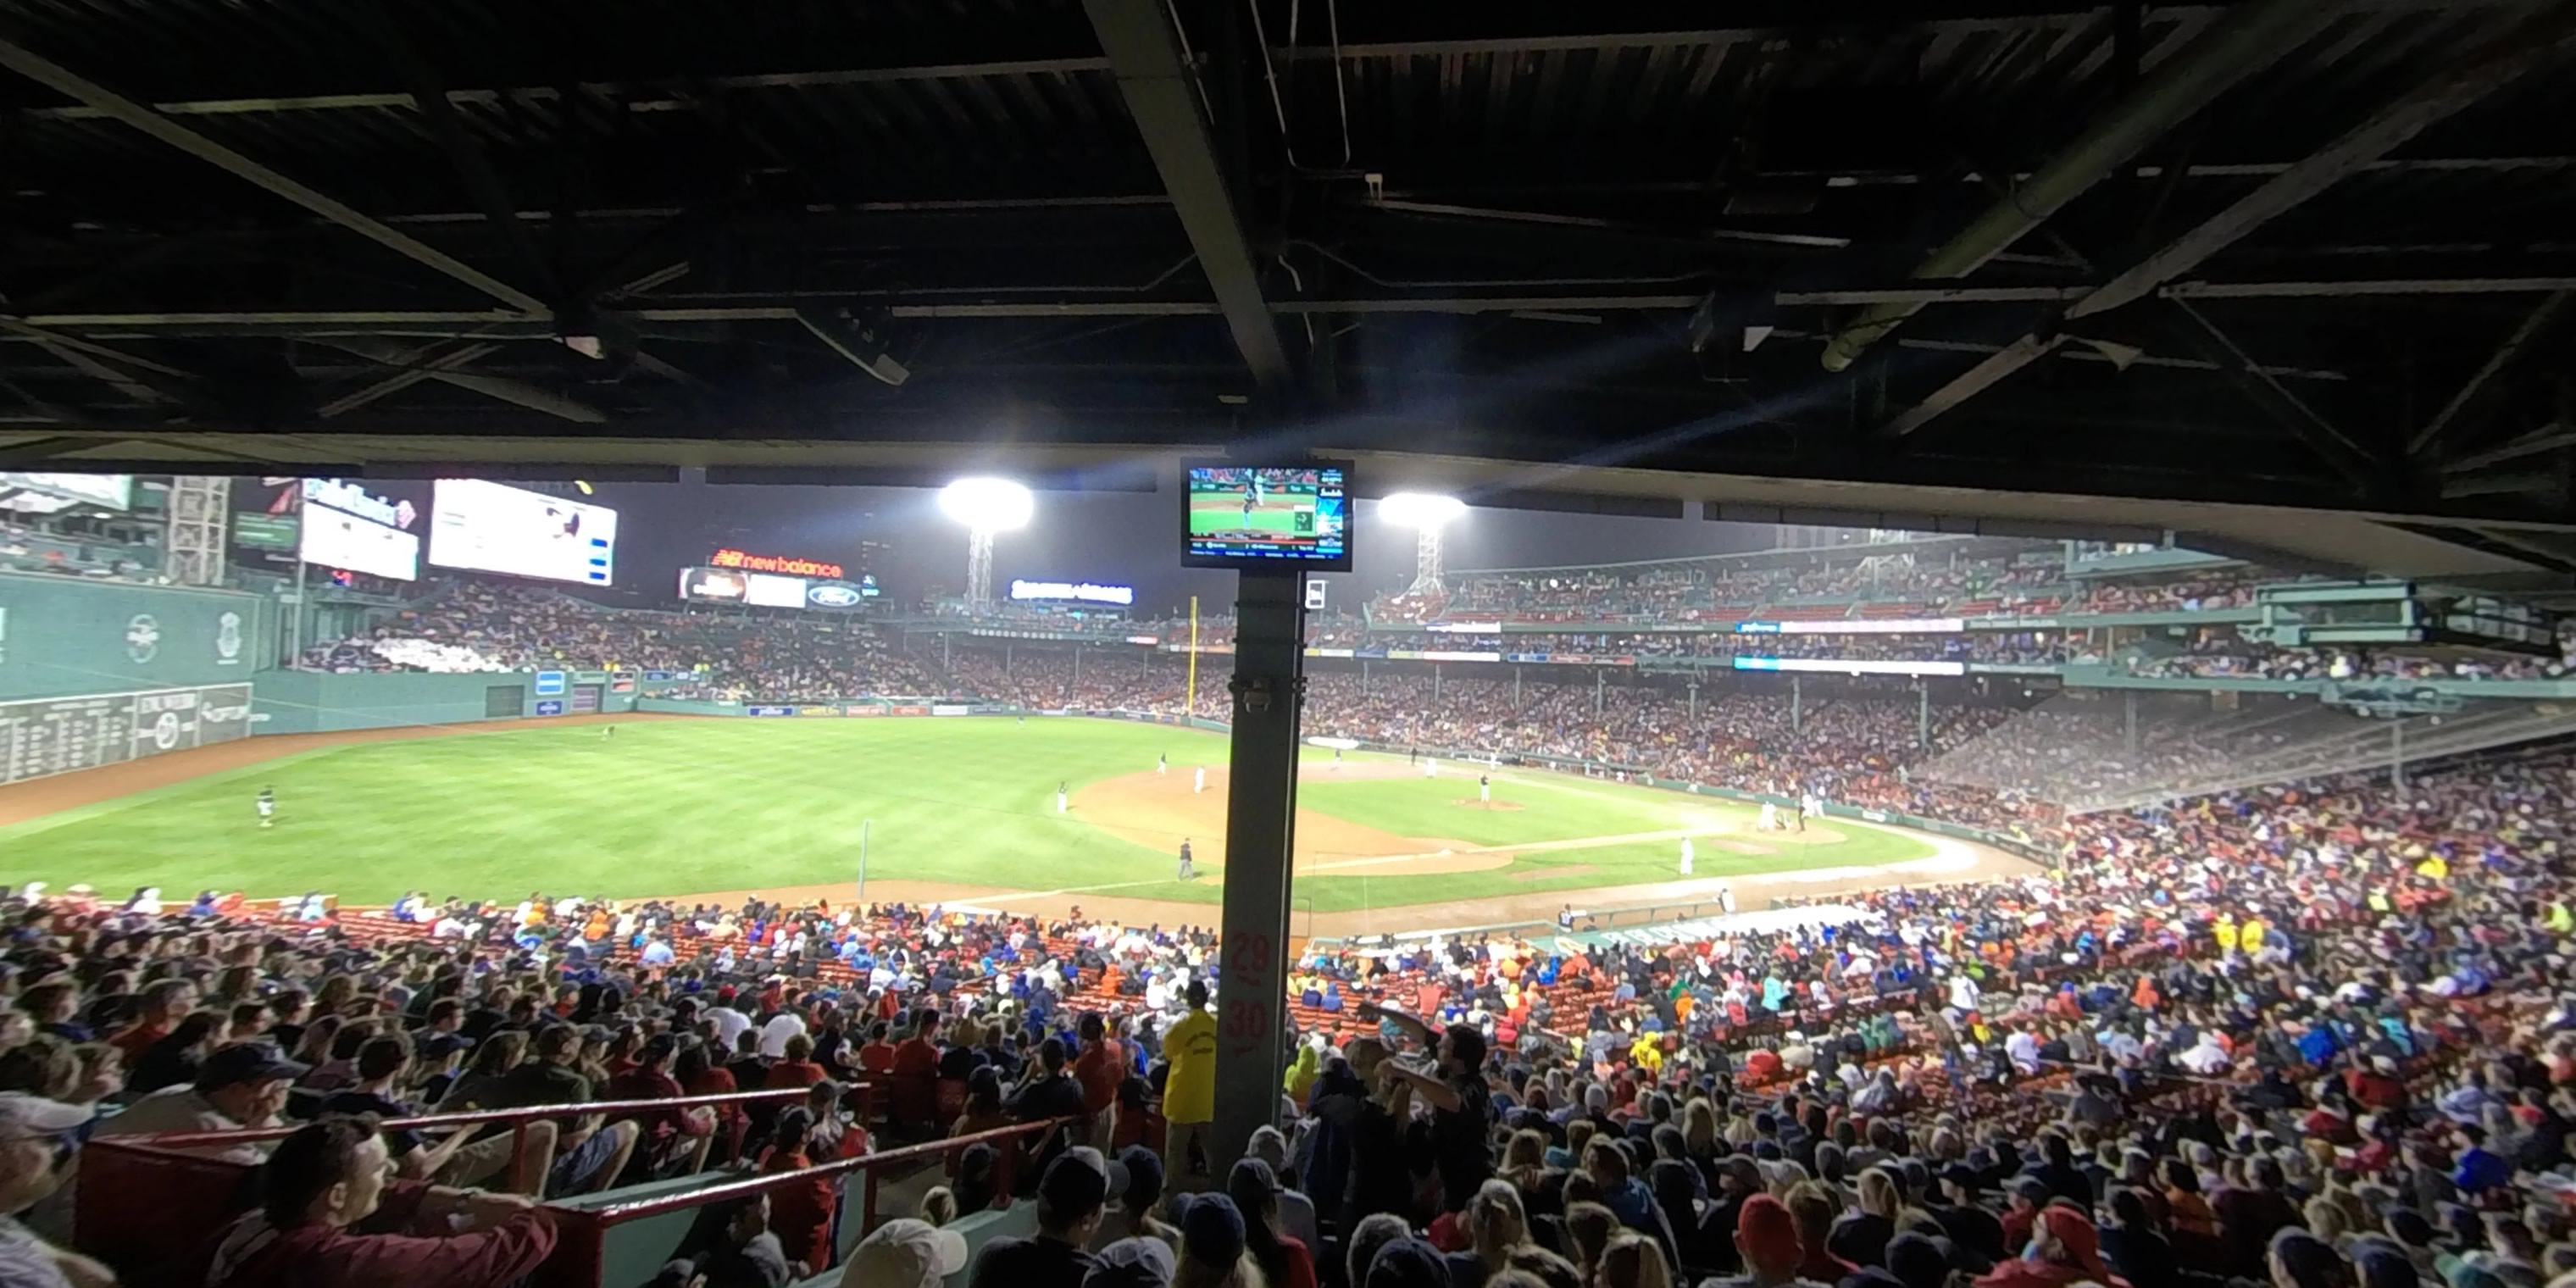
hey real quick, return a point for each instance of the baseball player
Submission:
(607, 732)
(1690, 856)
(1726, 899)
(1198, 780)
(1337, 757)
(1770, 820)
(1187, 873)
(1431, 766)
(1163, 764)
(1485, 788)
(1059, 795)
(267, 805)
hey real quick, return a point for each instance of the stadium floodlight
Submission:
(986, 506)
(1426, 513)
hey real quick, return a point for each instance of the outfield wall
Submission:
(41, 737)
(324, 702)
(62, 635)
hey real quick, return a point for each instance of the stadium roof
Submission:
(2102, 265)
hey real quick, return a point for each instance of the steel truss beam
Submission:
(1160, 87)
(2428, 104)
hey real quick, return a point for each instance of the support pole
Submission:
(1516, 685)
(1923, 715)
(1596, 691)
(2129, 739)
(1797, 706)
(1190, 700)
(1077, 666)
(1694, 701)
(1260, 830)
(863, 858)
(944, 638)
(295, 622)
(2397, 754)
(1435, 681)
(1006, 659)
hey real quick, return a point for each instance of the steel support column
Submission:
(1260, 831)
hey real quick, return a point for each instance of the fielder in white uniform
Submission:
(1726, 899)
(1690, 856)
(1770, 820)
(1198, 780)
(1162, 764)
(1059, 797)
(1485, 788)
(1431, 767)
(267, 807)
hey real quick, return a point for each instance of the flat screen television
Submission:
(1295, 514)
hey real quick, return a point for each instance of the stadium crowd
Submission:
(2318, 1035)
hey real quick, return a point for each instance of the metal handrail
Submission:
(467, 1118)
(640, 1208)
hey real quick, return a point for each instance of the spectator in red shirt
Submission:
(877, 1056)
(1100, 1068)
(701, 1073)
(798, 1068)
(674, 1142)
(159, 1008)
(918, 1057)
(800, 1214)
(2374, 1085)
(329, 1177)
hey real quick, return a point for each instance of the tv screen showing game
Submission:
(1258, 516)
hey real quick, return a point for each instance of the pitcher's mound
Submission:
(1498, 805)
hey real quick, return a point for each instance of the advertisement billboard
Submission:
(112, 491)
(1084, 592)
(836, 595)
(1848, 666)
(486, 527)
(267, 531)
(764, 591)
(785, 564)
(345, 526)
(718, 584)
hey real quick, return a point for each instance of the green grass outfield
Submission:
(670, 807)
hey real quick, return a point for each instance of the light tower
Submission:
(1426, 513)
(987, 506)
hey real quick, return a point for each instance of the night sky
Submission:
(1112, 537)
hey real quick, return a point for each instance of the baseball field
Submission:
(958, 810)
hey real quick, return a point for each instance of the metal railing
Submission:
(149, 1199)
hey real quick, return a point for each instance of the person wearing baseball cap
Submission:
(1212, 1236)
(243, 1084)
(1766, 1236)
(1072, 1194)
(905, 1253)
(32, 1134)
(2065, 1249)
(1134, 1263)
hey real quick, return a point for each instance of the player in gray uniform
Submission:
(267, 806)
(1187, 872)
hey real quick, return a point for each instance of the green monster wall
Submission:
(64, 635)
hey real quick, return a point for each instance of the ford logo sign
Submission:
(831, 596)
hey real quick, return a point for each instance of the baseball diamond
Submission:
(956, 810)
